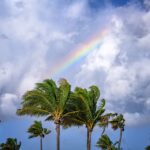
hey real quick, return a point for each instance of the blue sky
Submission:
(35, 35)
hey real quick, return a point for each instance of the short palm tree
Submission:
(118, 123)
(105, 143)
(104, 121)
(47, 99)
(11, 144)
(89, 115)
(147, 147)
(36, 130)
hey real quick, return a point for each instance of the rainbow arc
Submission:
(79, 53)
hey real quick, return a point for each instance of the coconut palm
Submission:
(11, 144)
(147, 147)
(118, 123)
(36, 130)
(104, 121)
(89, 115)
(105, 143)
(47, 99)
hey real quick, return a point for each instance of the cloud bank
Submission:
(36, 35)
(121, 64)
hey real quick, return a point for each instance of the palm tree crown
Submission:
(105, 121)
(91, 114)
(11, 144)
(118, 122)
(105, 143)
(36, 130)
(47, 99)
(147, 147)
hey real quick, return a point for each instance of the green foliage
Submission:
(147, 147)
(50, 100)
(86, 103)
(46, 100)
(36, 130)
(11, 144)
(67, 108)
(105, 120)
(118, 122)
(105, 143)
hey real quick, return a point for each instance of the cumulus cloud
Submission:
(76, 10)
(147, 4)
(134, 119)
(8, 104)
(34, 36)
(121, 65)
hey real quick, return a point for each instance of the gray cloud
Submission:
(34, 36)
(123, 64)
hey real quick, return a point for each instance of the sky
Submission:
(41, 39)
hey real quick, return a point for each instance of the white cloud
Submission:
(133, 119)
(121, 65)
(33, 37)
(119, 81)
(36, 35)
(76, 10)
(6, 71)
(8, 103)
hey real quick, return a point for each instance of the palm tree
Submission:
(11, 144)
(48, 100)
(104, 121)
(36, 130)
(105, 143)
(147, 147)
(86, 101)
(118, 122)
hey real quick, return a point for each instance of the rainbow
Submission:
(79, 53)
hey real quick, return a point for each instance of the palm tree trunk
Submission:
(103, 131)
(89, 133)
(120, 139)
(41, 143)
(109, 148)
(58, 135)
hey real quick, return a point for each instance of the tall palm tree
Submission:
(105, 143)
(118, 122)
(47, 99)
(36, 130)
(89, 115)
(11, 144)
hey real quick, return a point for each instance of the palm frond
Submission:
(63, 93)
(83, 96)
(95, 93)
(100, 111)
(36, 130)
(37, 98)
(118, 122)
(46, 131)
(105, 143)
(32, 111)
